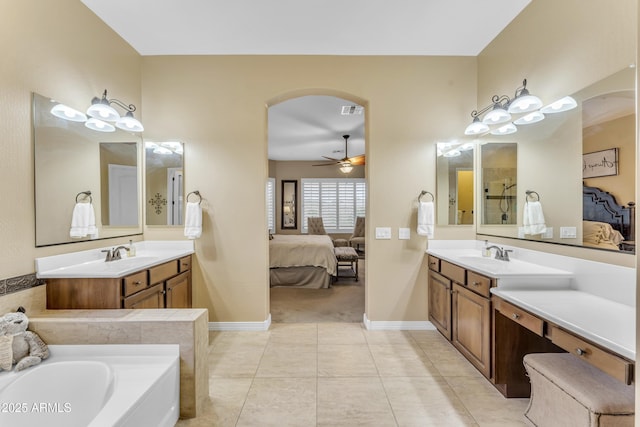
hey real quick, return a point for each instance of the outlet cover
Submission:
(567, 232)
(383, 233)
(404, 233)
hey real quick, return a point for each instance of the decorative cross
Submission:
(158, 202)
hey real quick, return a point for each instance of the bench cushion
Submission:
(568, 391)
(345, 253)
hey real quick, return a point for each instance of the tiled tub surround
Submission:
(91, 263)
(186, 327)
(596, 301)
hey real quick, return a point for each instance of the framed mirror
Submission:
(288, 208)
(455, 183)
(69, 160)
(164, 183)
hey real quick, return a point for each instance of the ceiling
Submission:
(310, 127)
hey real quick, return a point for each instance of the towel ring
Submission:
(86, 194)
(422, 193)
(197, 193)
(530, 193)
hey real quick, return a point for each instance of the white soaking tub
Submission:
(95, 386)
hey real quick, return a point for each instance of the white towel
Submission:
(83, 221)
(426, 219)
(193, 220)
(533, 218)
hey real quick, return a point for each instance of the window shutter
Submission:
(338, 201)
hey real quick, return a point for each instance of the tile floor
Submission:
(340, 374)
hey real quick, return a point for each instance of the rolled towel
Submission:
(426, 219)
(533, 218)
(193, 220)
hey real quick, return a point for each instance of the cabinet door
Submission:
(440, 303)
(179, 291)
(152, 297)
(471, 327)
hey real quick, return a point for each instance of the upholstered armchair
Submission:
(357, 238)
(315, 225)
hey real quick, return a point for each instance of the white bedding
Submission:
(302, 250)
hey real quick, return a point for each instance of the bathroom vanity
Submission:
(158, 277)
(494, 312)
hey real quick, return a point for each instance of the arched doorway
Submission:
(310, 134)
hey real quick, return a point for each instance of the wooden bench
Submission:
(347, 257)
(567, 391)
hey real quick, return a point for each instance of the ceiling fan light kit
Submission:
(347, 163)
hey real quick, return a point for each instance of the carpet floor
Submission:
(342, 302)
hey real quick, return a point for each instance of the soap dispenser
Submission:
(486, 252)
(132, 249)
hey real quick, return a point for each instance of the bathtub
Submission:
(95, 386)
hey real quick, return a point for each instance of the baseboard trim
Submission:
(377, 325)
(241, 326)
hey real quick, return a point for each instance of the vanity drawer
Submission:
(162, 272)
(453, 272)
(135, 282)
(478, 283)
(519, 316)
(434, 263)
(613, 365)
(184, 264)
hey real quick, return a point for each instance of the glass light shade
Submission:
(524, 104)
(454, 152)
(565, 104)
(101, 109)
(129, 123)
(476, 127)
(505, 130)
(346, 167)
(467, 146)
(67, 113)
(99, 125)
(530, 118)
(150, 144)
(172, 145)
(496, 116)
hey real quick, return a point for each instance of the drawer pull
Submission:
(515, 316)
(580, 352)
(476, 283)
(137, 282)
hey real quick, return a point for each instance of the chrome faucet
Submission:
(501, 253)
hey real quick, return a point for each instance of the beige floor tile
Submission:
(343, 360)
(450, 363)
(289, 360)
(353, 402)
(280, 402)
(237, 360)
(402, 360)
(231, 338)
(226, 399)
(425, 401)
(294, 333)
(341, 333)
(388, 337)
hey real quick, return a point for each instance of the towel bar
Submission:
(87, 194)
(422, 193)
(529, 194)
(197, 193)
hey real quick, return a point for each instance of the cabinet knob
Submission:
(515, 316)
(580, 352)
(475, 283)
(137, 282)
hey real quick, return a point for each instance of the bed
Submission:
(606, 224)
(302, 261)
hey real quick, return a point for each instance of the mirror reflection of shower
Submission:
(499, 188)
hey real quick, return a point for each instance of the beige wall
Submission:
(62, 50)
(410, 103)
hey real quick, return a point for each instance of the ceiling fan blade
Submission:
(357, 160)
(328, 164)
(331, 158)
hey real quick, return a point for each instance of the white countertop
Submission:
(489, 266)
(602, 321)
(91, 263)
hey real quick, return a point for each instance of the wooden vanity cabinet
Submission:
(166, 285)
(460, 308)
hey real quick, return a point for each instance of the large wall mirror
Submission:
(455, 182)
(164, 176)
(71, 161)
(580, 209)
(499, 181)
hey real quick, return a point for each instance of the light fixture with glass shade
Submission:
(524, 102)
(498, 113)
(67, 113)
(346, 167)
(99, 125)
(564, 104)
(507, 129)
(101, 109)
(533, 117)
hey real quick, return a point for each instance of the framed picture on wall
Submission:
(600, 163)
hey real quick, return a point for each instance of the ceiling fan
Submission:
(346, 163)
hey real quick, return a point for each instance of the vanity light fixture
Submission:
(564, 104)
(101, 109)
(533, 117)
(507, 129)
(524, 102)
(99, 125)
(67, 113)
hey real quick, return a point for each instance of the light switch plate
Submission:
(404, 233)
(567, 232)
(383, 233)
